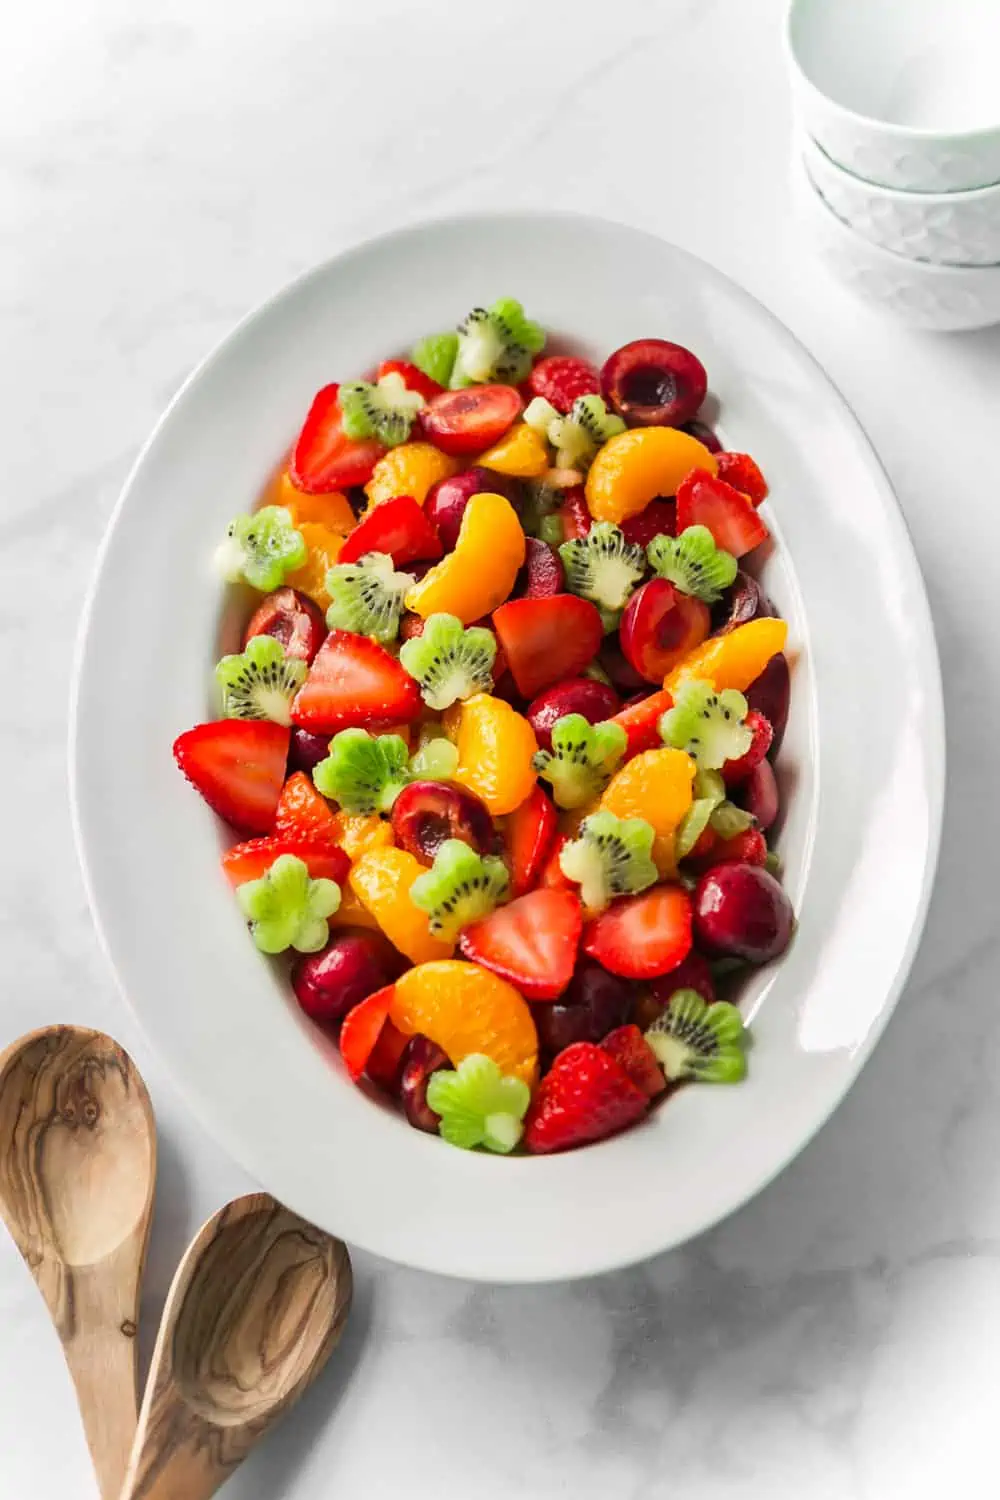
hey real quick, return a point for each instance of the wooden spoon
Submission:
(256, 1307)
(77, 1173)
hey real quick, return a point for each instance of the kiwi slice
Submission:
(612, 857)
(449, 661)
(693, 563)
(693, 1039)
(459, 888)
(261, 549)
(261, 682)
(367, 596)
(434, 356)
(577, 436)
(363, 774)
(709, 725)
(496, 343)
(603, 567)
(384, 410)
(582, 759)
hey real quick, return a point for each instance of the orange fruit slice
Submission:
(521, 452)
(495, 746)
(480, 573)
(410, 469)
(324, 548)
(636, 467)
(381, 880)
(734, 660)
(655, 785)
(332, 510)
(467, 1009)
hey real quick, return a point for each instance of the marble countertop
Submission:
(157, 178)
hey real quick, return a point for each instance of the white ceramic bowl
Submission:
(862, 816)
(960, 229)
(901, 92)
(943, 299)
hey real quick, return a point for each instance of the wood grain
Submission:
(77, 1177)
(257, 1306)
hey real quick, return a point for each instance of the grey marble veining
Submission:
(159, 175)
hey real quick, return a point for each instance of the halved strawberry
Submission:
(658, 519)
(398, 527)
(385, 1061)
(740, 470)
(640, 721)
(738, 770)
(585, 1096)
(560, 378)
(412, 378)
(238, 766)
(703, 500)
(354, 681)
(552, 877)
(528, 834)
(575, 514)
(324, 457)
(303, 814)
(252, 860)
(547, 639)
(746, 848)
(531, 942)
(640, 937)
(628, 1046)
(362, 1028)
(470, 420)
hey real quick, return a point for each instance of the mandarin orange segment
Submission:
(410, 469)
(638, 466)
(357, 833)
(466, 1009)
(495, 747)
(734, 660)
(332, 510)
(480, 573)
(324, 548)
(351, 913)
(381, 880)
(521, 453)
(655, 785)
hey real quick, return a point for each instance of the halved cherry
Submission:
(547, 639)
(660, 626)
(446, 502)
(427, 812)
(292, 619)
(324, 457)
(412, 378)
(624, 678)
(704, 434)
(769, 694)
(740, 604)
(575, 695)
(654, 383)
(470, 420)
(398, 527)
(703, 500)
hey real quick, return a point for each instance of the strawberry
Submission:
(238, 766)
(561, 378)
(528, 834)
(640, 721)
(658, 519)
(362, 1028)
(574, 514)
(397, 526)
(746, 848)
(729, 515)
(303, 814)
(640, 937)
(354, 681)
(324, 458)
(470, 420)
(552, 877)
(585, 1096)
(253, 859)
(738, 770)
(531, 942)
(385, 1061)
(547, 639)
(628, 1046)
(739, 470)
(413, 379)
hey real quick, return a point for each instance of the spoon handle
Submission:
(101, 1354)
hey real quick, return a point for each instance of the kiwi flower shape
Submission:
(435, 356)
(367, 596)
(478, 1106)
(496, 344)
(693, 563)
(260, 682)
(450, 661)
(582, 760)
(612, 857)
(694, 1039)
(577, 436)
(604, 568)
(709, 725)
(362, 773)
(460, 887)
(436, 760)
(286, 908)
(384, 409)
(261, 549)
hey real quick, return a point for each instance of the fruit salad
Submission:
(496, 751)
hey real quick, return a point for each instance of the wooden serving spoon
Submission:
(256, 1307)
(77, 1173)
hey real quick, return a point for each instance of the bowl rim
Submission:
(890, 129)
(959, 197)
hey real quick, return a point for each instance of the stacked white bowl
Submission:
(897, 154)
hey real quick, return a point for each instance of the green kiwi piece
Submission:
(367, 596)
(612, 857)
(384, 410)
(693, 563)
(434, 356)
(460, 887)
(261, 549)
(708, 724)
(695, 1039)
(582, 760)
(260, 682)
(450, 661)
(496, 344)
(603, 567)
(362, 773)
(288, 909)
